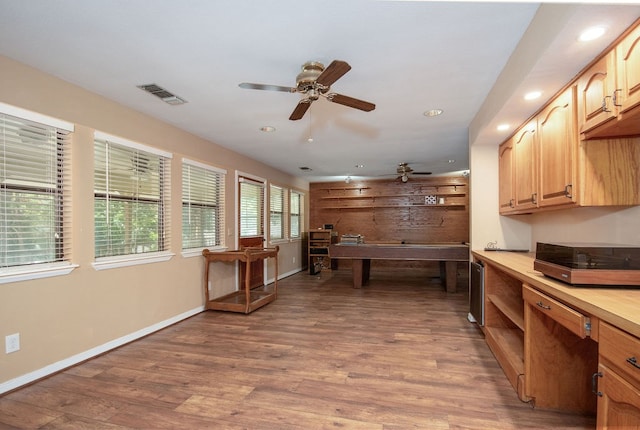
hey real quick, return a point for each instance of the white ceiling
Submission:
(406, 57)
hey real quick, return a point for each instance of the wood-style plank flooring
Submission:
(397, 354)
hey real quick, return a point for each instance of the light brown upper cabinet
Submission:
(525, 183)
(609, 92)
(506, 194)
(583, 147)
(540, 159)
(557, 152)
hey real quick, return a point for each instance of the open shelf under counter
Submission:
(510, 307)
(507, 344)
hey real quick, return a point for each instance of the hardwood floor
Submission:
(397, 354)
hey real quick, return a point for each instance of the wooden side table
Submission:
(245, 300)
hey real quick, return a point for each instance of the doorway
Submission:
(251, 202)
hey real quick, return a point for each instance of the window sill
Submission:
(105, 263)
(35, 271)
(197, 252)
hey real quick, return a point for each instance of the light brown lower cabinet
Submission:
(559, 356)
(619, 402)
(618, 380)
(559, 345)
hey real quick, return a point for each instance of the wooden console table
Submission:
(245, 300)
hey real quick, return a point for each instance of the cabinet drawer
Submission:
(621, 350)
(571, 319)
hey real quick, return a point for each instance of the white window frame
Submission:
(124, 260)
(64, 266)
(219, 203)
(299, 215)
(276, 191)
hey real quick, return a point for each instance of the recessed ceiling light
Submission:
(433, 112)
(267, 129)
(591, 33)
(503, 127)
(532, 95)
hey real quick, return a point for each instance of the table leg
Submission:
(360, 269)
(366, 269)
(356, 269)
(451, 275)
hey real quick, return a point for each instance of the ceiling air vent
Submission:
(162, 94)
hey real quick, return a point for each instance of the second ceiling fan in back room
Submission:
(404, 171)
(315, 81)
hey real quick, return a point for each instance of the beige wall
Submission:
(61, 319)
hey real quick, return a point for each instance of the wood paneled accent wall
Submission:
(422, 210)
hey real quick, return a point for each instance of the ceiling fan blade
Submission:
(332, 73)
(351, 102)
(421, 173)
(250, 86)
(300, 110)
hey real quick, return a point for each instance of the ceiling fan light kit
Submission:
(314, 81)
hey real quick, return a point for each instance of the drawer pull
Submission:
(543, 306)
(634, 362)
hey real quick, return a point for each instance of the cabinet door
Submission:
(619, 402)
(557, 144)
(505, 172)
(628, 71)
(525, 167)
(595, 93)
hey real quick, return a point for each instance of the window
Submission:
(35, 198)
(295, 215)
(202, 205)
(277, 209)
(131, 198)
(251, 207)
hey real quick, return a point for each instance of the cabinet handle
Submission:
(534, 198)
(615, 97)
(543, 306)
(634, 362)
(568, 189)
(594, 384)
(604, 104)
(511, 203)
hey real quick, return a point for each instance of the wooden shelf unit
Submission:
(319, 258)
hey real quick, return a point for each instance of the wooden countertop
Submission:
(618, 306)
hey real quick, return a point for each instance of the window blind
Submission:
(35, 197)
(202, 205)
(251, 208)
(276, 212)
(132, 197)
(295, 213)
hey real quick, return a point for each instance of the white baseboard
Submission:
(12, 384)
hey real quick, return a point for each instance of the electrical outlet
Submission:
(294, 260)
(12, 343)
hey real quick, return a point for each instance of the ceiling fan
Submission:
(315, 81)
(404, 171)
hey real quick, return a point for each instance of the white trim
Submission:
(131, 144)
(14, 383)
(35, 271)
(197, 252)
(36, 117)
(130, 260)
(256, 182)
(203, 166)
